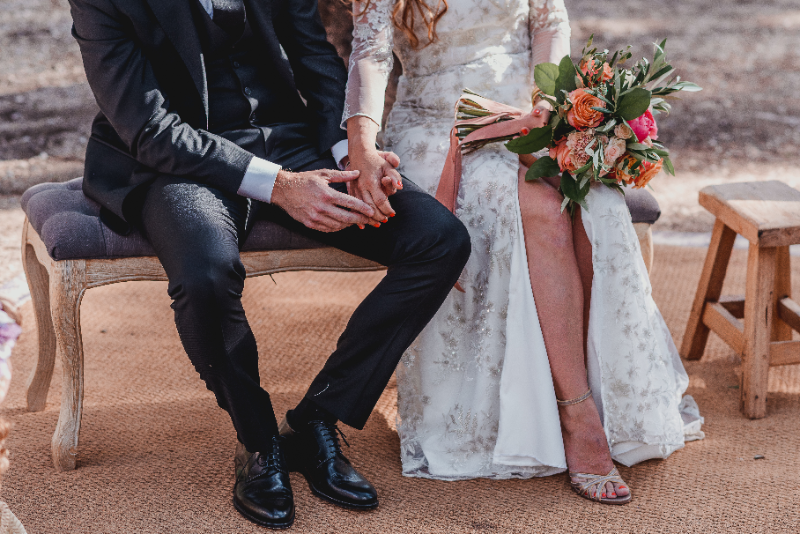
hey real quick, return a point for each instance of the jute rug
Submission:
(156, 453)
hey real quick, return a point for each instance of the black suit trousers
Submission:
(197, 232)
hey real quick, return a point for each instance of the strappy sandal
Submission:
(591, 486)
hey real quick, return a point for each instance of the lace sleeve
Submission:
(371, 61)
(549, 31)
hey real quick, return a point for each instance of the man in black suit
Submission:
(206, 105)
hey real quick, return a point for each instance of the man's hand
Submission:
(307, 197)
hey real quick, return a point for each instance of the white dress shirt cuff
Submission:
(259, 180)
(339, 151)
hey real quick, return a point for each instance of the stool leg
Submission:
(783, 288)
(708, 290)
(38, 283)
(67, 285)
(759, 311)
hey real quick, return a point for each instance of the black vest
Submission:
(242, 102)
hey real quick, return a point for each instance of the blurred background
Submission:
(744, 126)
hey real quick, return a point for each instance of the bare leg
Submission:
(560, 281)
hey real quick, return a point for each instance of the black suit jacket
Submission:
(145, 66)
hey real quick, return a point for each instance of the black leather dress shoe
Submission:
(315, 452)
(262, 492)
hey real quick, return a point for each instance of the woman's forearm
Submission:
(362, 133)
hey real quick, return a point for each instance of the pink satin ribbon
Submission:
(447, 192)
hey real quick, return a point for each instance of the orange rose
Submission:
(560, 153)
(588, 69)
(648, 173)
(581, 115)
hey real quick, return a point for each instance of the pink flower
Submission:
(614, 150)
(577, 142)
(644, 127)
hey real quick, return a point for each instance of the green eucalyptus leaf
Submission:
(536, 140)
(633, 104)
(689, 87)
(542, 168)
(545, 76)
(668, 166)
(637, 146)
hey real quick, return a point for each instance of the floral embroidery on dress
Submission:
(449, 380)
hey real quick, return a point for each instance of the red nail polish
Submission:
(386, 220)
(361, 226)
(376, 225)
(392, 215)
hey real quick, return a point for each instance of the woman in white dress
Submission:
(478, 391)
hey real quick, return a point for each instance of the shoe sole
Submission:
(337, 502)
(261, 522)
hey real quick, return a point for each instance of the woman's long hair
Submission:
(405, 14)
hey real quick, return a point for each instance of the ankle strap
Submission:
(576, 400)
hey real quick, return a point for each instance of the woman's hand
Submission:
(375, 167)
(538, 117)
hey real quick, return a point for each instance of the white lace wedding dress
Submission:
(475, 393)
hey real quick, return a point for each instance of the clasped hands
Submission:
(371, 177)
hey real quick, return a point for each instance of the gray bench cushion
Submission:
(70, 226)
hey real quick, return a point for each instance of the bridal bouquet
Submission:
(603, 126)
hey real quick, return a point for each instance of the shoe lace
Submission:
(330, 433)
(272, 459)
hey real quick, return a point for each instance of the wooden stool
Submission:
(768, 215)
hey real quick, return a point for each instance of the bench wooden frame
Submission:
(57, 288)
(768, 215)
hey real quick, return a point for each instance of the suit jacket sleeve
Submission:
(319, 72)
(128, 93)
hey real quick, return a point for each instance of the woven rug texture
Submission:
(156, 452)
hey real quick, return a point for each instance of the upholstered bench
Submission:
(66, 249)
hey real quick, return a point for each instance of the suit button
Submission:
(236, 65)
(247, 91)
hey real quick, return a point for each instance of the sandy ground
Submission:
(744, 126)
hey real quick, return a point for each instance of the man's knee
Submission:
(459, 242)
(449, 242)
(208, 280)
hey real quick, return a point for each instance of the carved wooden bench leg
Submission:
(759, 311)
(38, 283)
(67, 285)
(708, 290)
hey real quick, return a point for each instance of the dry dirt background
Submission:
(745, 125)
